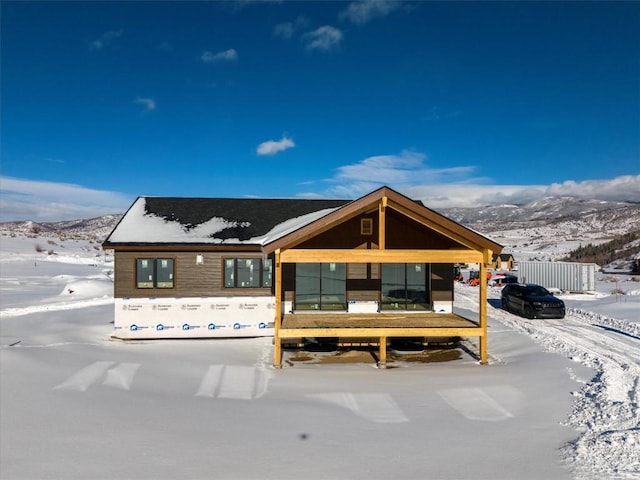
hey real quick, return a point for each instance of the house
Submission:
(502, 261)
(377, 267)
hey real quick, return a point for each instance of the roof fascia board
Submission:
(183, 247)
(120, 221)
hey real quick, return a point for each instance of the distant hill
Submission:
(595, 213)
(554, 228)
(94, 229)
(618, 251)
(547, 229)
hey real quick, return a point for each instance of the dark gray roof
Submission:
(248, 218)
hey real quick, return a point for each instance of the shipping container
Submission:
(565, 276)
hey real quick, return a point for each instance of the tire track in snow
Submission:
(607, 408)
(52, 307)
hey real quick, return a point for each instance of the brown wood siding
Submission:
(344, 235)
(363, 295)
(190, 280)
(405, 233)
(363, 271)
(442, 282)
(363, 281)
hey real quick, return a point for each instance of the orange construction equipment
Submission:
(474, 278)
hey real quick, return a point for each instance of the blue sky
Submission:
(455, 103)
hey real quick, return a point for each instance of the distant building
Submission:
(502, 261)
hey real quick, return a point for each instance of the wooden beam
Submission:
(381, 256)
(380, 332)
(277, 344)
(483, 314)
(488, 256)
(382, 223)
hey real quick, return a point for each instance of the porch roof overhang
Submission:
(471, 247)
(474, 247)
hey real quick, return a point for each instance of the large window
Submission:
(154, 272)
(321, 286)
(405, 286)
(247, 273)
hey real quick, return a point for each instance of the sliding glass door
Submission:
(321, 286)
(405, 286)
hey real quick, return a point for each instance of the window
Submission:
(366, 226)
(154, 273)
(248, 273)
(405, 286)
(321, 286)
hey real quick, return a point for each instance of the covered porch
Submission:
(381, 325)
(402, 232)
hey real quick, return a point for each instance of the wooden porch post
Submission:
(382, 363)
(277, 342)
(483, 313)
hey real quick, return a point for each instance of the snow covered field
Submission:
(559, 399)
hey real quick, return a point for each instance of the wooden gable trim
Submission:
(442, 224)
(321, 225)
(380, 200)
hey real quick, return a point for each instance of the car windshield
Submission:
(536, 291)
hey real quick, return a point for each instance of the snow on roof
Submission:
(140, 226)
(291, 225)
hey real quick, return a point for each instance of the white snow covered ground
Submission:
(559, 399)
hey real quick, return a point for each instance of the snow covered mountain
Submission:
(95, 229)
(551, 210)
(547, 229)
(550, 228)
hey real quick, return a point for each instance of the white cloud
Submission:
(457, 187)
(148, 103)
(402, 169)
(272, 147)
(230, 55)
(239, 4)
(624, 188)
(287, 30)
(105, 39)
(363, 11)
(41, 201)
(324, 38)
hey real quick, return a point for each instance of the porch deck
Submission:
(387, 324)
(373, 325)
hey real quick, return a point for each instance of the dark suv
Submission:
(532, 301)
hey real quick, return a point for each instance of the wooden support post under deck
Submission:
(382, 362)
(483, 314)
(277, 341)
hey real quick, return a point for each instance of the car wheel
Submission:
(505, 304)
(528, 312)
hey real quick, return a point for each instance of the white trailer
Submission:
(565, 276)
